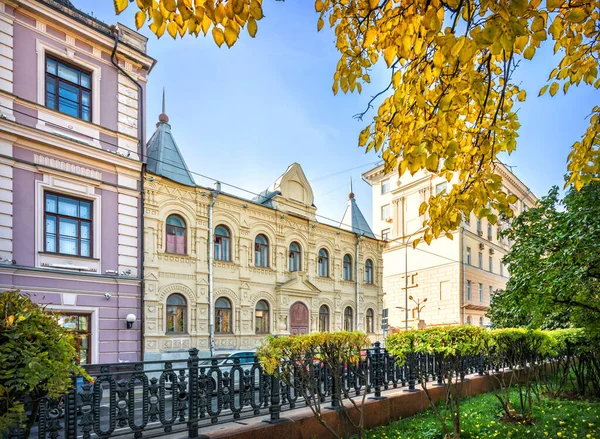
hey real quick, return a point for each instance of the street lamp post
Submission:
(420, 305)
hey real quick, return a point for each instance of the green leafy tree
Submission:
(296, 360)
(449, 105)
(37, 360)
(451, 346)
(554, 264)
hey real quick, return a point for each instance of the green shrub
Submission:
(37, 359)
(296, 360)
(452, 346)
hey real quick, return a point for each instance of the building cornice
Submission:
(33, 137)
(100, 32)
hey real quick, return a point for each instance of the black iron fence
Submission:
(154, 398)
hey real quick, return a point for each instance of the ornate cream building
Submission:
(275, 269)
(456, 277)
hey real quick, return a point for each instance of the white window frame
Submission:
(386, 208)
(80, 190)
(385, 186)
(71, 307)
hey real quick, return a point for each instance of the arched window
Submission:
(261, 317)
(348, 319)
(480, 321)
(223, 323)
(176, 314)
(323, 263)
(347, 272)
(294, 256)
(370, 321)
(261, 251)
(222, 244)
(369, 272)
(175, 235)
(324, 318)
(468, 320)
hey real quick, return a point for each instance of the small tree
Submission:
(453, 347)
(37, 360)
(300, 360)
(524, 353)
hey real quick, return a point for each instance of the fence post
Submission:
(275, 407)
(411, 363)
(193, 393)
(335, 391)
(71, 409)
(377, 364)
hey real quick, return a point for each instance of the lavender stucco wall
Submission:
(25, 72)
(110, 230)
(24, 217)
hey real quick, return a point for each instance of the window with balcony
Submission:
(68, 225)
(68, 89)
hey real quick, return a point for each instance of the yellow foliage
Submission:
(449, 105)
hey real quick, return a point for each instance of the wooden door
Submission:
(299, 319)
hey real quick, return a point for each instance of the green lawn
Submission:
(555, 419)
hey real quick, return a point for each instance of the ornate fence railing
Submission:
(154, 398)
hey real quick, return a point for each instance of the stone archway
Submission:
(299, 319)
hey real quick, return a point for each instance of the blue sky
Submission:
(242, 115)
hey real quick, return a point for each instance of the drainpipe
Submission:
(141, 144)
(211, 257)
(357, 282)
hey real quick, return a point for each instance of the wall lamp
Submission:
(130, 320)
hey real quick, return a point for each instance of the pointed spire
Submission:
(353, 219)
(162, 117)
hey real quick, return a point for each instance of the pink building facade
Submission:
(71, 150)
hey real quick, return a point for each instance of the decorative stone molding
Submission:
(66, 166)
(175, 288)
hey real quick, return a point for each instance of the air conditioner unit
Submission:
(481, 246)
(491, 251)
(480, 232)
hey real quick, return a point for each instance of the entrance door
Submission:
(299, 318)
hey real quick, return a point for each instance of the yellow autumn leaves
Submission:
(223, 18)
(448, 106)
